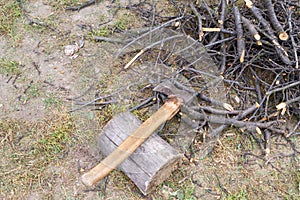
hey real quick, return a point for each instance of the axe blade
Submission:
(168, 88)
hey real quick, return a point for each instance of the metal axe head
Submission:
(168, 88)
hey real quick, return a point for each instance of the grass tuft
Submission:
(51, 101)
(241, 195)
(10, 12)
(29, 149)
(9, 67)
(55, 142)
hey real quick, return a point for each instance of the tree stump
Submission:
(151, 163)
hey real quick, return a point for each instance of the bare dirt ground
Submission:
(45, 149)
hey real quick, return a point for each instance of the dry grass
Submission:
(29, 149)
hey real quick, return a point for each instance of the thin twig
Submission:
(32, 21)
(149, 47)
(220, 41)
(81, 6)
(283, 88)
(149, 32)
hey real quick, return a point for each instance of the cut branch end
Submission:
(257, 37)
(259, 43)
(249, 3)
(283, 36)
(242, 57)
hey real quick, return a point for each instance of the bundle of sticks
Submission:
(256, 47)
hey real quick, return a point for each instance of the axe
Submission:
(176, 98)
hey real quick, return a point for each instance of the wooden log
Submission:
(151, 163)
(132, 142)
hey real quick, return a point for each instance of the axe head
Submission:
(168, 88)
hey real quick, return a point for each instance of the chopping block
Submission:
(153, 161)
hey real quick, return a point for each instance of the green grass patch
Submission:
(181, 192)
(51, 101)
(123, 22)
(297, 181)
(10, 12)
(9, 67)
(101, 32)
(55, 142)
(28, 149)
(32, 92)
(108, 112)
(241, 195)
(62, 5)
(178, 187)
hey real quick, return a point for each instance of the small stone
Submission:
(71, 49)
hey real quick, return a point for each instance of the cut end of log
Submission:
(249, 3)
(283, 36)
(176, 24)
(257, 37)
(281, 106)
(242, 57)
(201, 34)
(258, 130)
(259, 43)
(257, 105)
(267, 151)
(228, 107)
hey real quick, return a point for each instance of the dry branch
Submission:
(220, 42)
(83, 5)
(149, 32)
(221, 22)
(229, 121)
(283, 88)
(274, 21)
(267, 142)
(199, 17)
(240, 35)
(292, 31)
(251, 28)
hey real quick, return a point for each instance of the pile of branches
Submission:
(256, 46)
(262, 52)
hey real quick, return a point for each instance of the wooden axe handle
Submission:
(130, 144)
